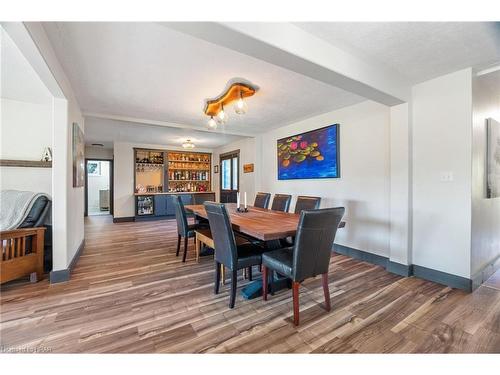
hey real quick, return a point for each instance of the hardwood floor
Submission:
(129, 293)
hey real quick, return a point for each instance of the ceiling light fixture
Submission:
(222, 116)
(241, 106)
(188, 144)
(235, 91)
(212, 124)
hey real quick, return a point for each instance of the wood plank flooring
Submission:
(129, 293)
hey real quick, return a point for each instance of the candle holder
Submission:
(239, 209)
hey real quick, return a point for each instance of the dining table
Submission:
(268, 226)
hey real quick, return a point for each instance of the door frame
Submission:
(226, 156)
(111, 185)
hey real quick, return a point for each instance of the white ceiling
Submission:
(18, 79)
(149, 71)
(106, 131)
(417, 50)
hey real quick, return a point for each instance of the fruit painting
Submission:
(313, 154)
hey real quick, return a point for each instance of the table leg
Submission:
(197, 242)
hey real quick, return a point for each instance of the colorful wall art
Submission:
(313, 154)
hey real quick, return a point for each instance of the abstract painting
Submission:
(314, 154)
(78, 156)
(493, 159)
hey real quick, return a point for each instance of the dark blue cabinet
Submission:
(160, 205)
(164, 203)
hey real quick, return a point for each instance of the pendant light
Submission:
(222, 116)
(212, 124)
(241, 106)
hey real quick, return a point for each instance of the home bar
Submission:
(159, 174)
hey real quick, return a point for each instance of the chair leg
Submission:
(264, 283)
(217, 277)
(185, 249)
(250, 273)
(326, 291)
(295, 293)
(223, 272)
(234, 280)
(178, 245)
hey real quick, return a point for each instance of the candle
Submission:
(245, 200)
(238, 199)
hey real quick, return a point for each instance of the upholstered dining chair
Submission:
(227, 252)
(306, 203)
(184, 230)
(262, 200)
(281, 202)
(309, 256)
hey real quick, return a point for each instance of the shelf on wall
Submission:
(188, 180)
(25, 163)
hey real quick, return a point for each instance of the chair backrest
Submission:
(222, 233)
(180, 216)
(281, 202)
(314, 241)
(306, 203)
(262, 200)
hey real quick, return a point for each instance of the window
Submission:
(229, 167)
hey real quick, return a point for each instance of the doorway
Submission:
(98, 187)
(229, 176)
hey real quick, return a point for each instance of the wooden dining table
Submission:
(262, 224)
(259, 223)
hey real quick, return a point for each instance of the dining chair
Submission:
(306, 203)
(184, 230)
(227, 252)
(281, 202)
(262, 200)
(308, 257)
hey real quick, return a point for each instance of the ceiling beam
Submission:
(226, 130)
(288, 46)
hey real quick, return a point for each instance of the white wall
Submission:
(485, 212)
(98, 152)
(20, 118)
(97, 183)
(247, 147)
(68, 202)
(441, 144)
(124, 169)
(400, 197)
(363, 188)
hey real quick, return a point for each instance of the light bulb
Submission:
(241, 107)
(211, 123)
(222, 116)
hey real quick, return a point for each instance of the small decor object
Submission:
(78, 156)
(94, 168)
(248, 168)
(235, 92)
(313, 154)
(238, 204)
(493, 159)
(47, 154)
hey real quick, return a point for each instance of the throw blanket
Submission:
(15, 206)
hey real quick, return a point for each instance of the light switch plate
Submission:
(447, 176)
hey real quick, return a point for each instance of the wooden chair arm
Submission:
(23, 232)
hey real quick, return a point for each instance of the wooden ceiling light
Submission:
(236, 91)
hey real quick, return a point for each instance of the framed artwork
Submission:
(248, 168)
(493, 158)
(313, 154)
(78, 156)
(94, 168)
